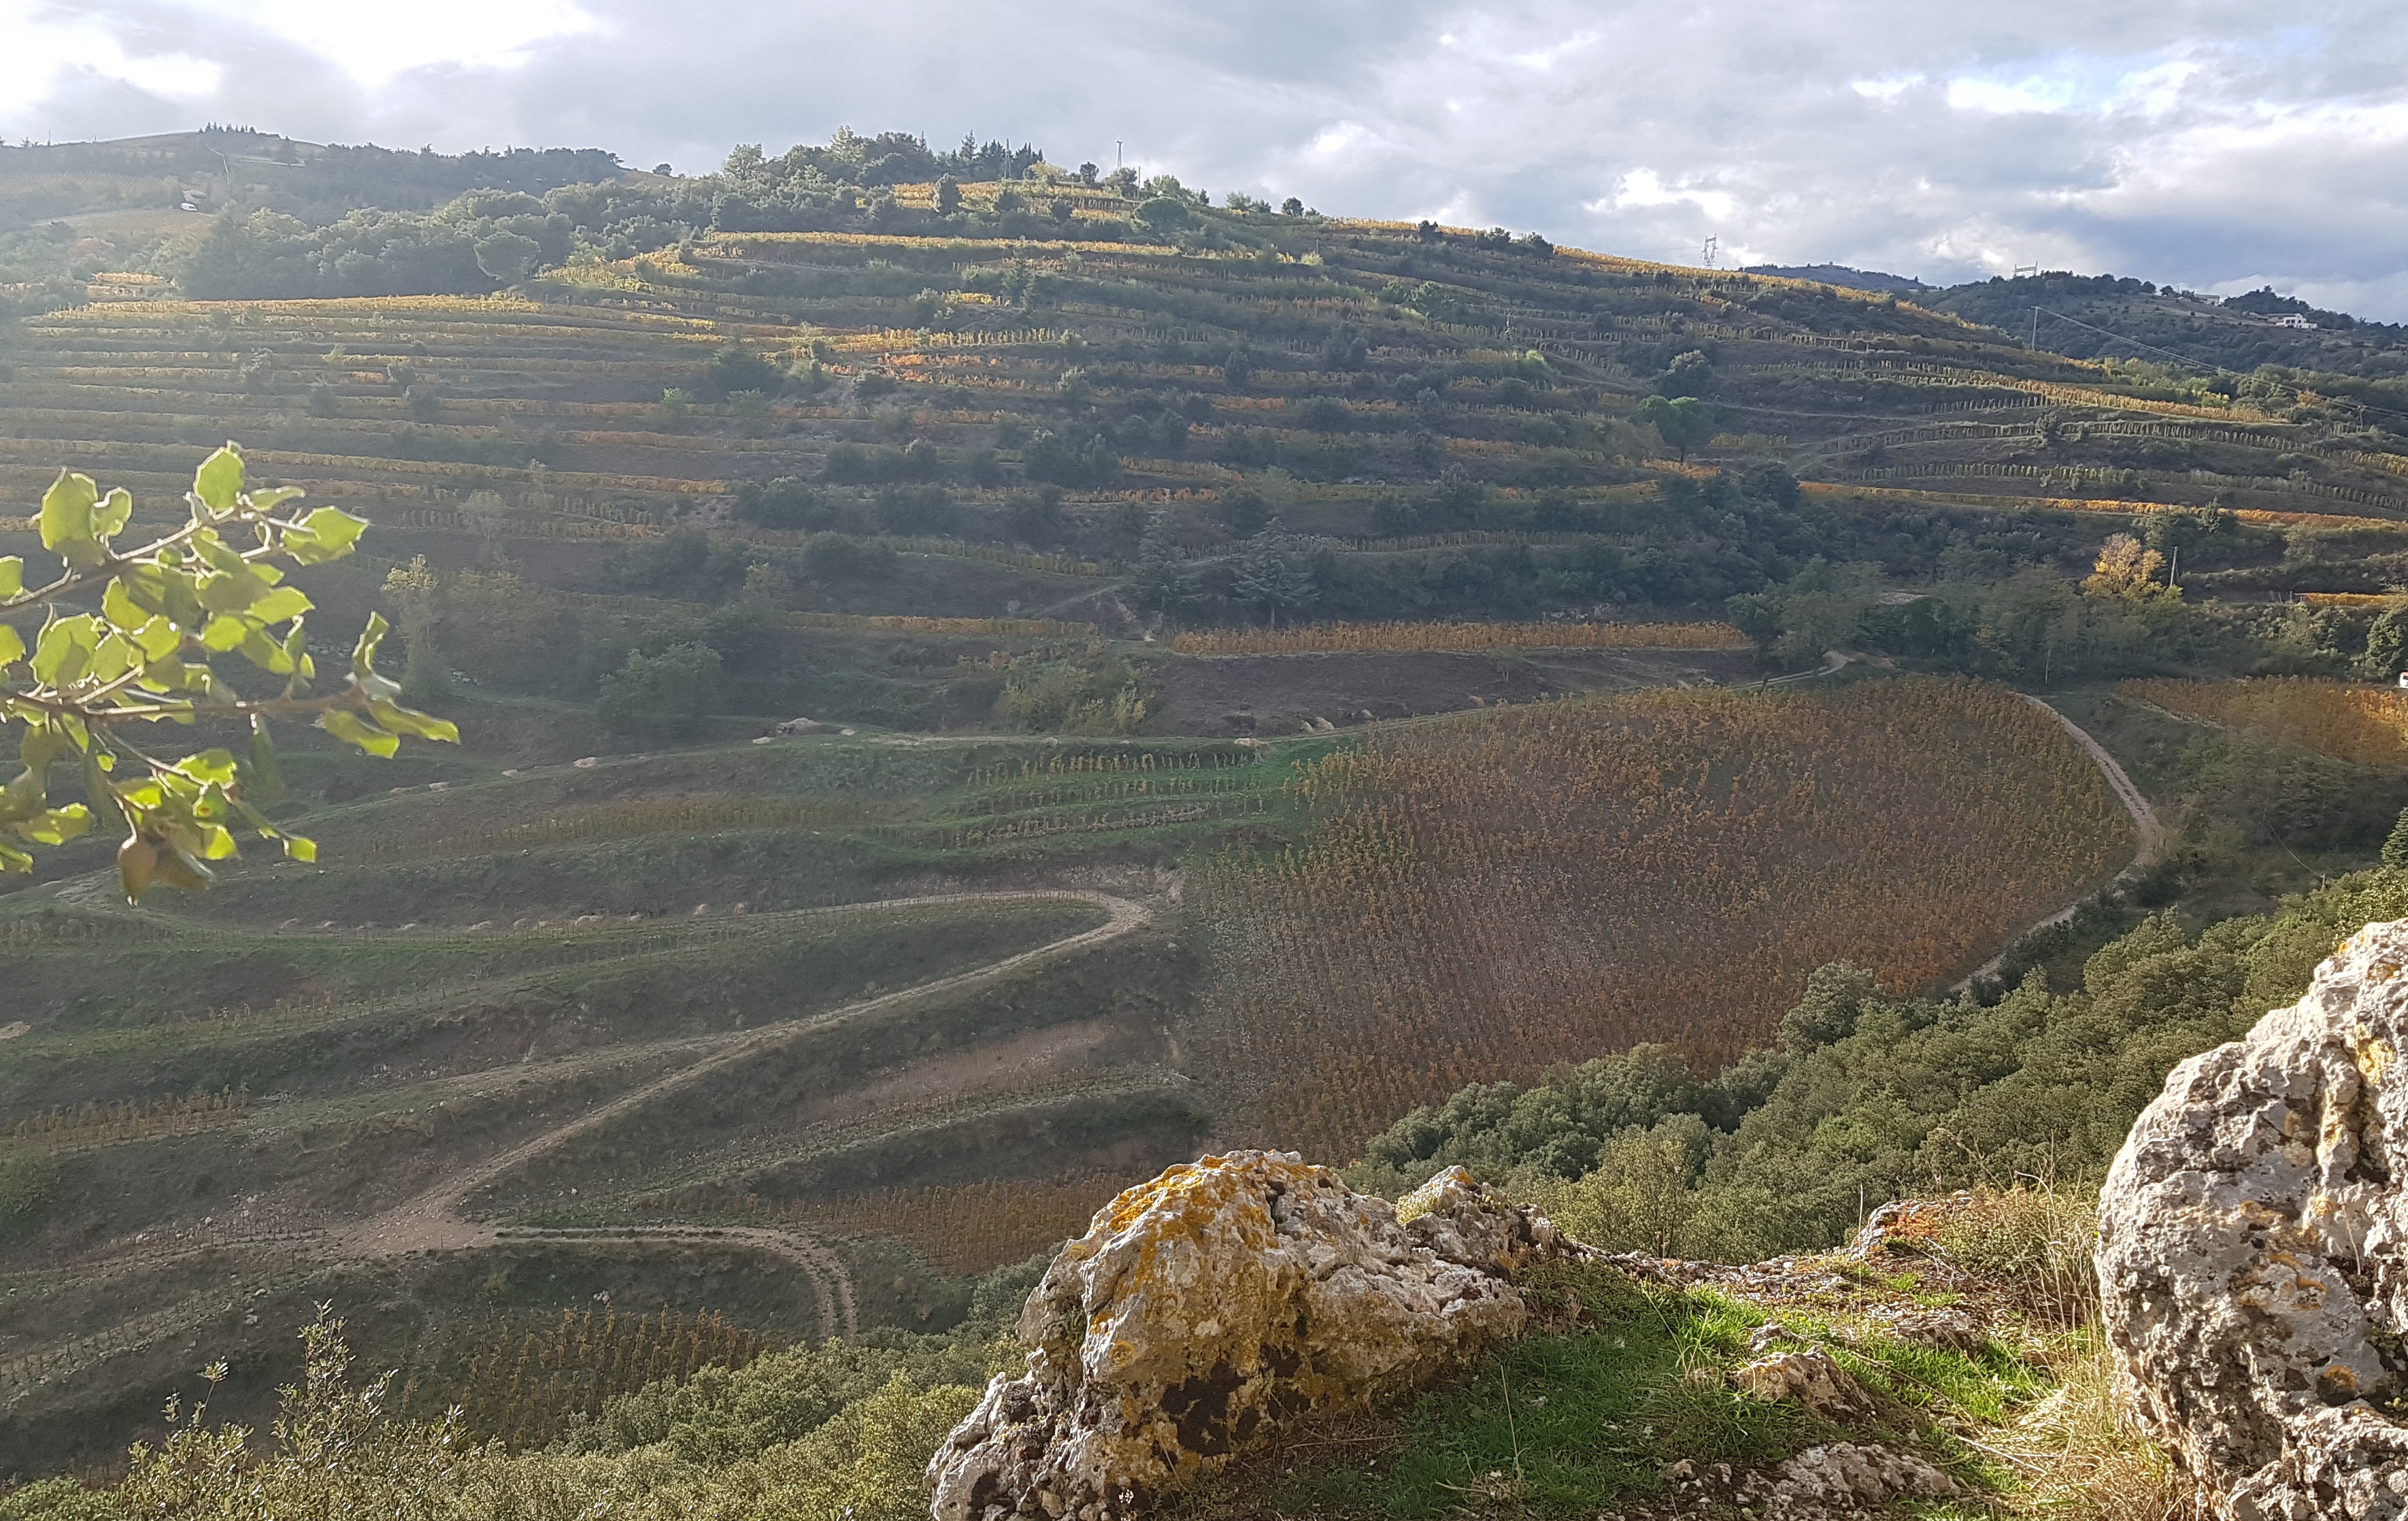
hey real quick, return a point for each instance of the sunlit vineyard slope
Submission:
(1480, 897)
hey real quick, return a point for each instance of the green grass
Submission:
(1618, 1381)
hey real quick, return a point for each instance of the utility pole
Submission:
(1712, 249)
(2035, 329)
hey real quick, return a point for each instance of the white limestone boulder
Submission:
(2253, 1252)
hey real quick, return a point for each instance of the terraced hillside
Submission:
(1257, 679)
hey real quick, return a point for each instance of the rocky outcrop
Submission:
(2253, 1251)
(1205, 1308)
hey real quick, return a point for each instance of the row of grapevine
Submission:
(878, 623)
(1114, 763)
(2115, 505)
(132, 1119)
(1357, 638)
(625, 821)
(1484, 897)
(524, 1390)
(965, 1228)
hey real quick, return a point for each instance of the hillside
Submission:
(1257, 673)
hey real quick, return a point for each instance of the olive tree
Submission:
(126, 643)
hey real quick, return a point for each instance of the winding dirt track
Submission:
(2144, 820)
(434, 1221)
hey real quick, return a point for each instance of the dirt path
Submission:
(433, 1221)
(2145, 821)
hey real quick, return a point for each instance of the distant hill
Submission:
(223, 168)
(2108, 317)
(1840, 275)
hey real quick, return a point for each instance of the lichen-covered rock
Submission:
(1853, 1476)
(2253, 1251)
(1206, 1307)
(1809, 1377)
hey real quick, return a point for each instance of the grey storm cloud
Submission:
(2212, 144)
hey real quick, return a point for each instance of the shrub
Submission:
(666, 694)
(835, 557)
(738, 368)
(28, 1192)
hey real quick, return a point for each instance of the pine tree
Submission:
(1268, 577)
(2395, 850)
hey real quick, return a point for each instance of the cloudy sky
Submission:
(2214, 144)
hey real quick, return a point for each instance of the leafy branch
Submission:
(211, 587)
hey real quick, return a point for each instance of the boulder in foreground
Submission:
(1205, 1308)
(2253, 1252)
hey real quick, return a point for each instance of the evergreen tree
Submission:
(1270, 575)
(2395, 849)
(1161, 583)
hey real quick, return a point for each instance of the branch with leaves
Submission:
(215, 586)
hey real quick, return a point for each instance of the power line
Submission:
(2178, 358)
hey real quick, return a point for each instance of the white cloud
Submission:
(2180, 144)
(2029, 94)
(1886, 89)
(1645, 188)
(375, 40)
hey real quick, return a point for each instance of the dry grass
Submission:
(2081, 1457)
(2367, 725)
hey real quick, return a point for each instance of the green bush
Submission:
(1866, 1098)
(666, 694)
(28, 1183)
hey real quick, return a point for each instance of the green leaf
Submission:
(113, 512)
(350, 730)
(95, 788)
(282, 603)
(57, 825)
(297, 848)
(364, 660)
(269, 499)
(219, 480)
(24, 794)
(12, 576)
(158, 638)
(216, 553)
(262, 778)
(66, 519)
(115, 657)
(13, 859)
(231, 593)
(224, 633)
(267, 653)
(210, 767)
(327, 534)
(65, 650)
(12, 646)
(410, 721)
(118, 606)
